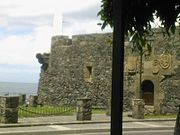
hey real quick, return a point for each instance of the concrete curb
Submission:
(149, 120)
(78, 122)
(54, 123)
(149, 128)
(76, 131)
(73, 131)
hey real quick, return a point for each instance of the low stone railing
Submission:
(9, 106)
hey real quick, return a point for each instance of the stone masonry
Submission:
(9, 109)
(81, 67)
(78, 67)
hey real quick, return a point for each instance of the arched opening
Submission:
(147, 89)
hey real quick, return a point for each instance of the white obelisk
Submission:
(58, 24)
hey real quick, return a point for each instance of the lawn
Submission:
(156, 116)
(52, 111)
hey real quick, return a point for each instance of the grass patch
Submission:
(155, 116)
(98, 111)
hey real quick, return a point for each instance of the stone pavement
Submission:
(99, 118)
(65, 120)
(57, 120)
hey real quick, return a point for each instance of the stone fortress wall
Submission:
(81, 67)
(77, 67)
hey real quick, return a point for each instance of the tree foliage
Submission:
(139, 14)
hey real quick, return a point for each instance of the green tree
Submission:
(132, 16)
(139, 14)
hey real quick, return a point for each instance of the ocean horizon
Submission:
(13, 88)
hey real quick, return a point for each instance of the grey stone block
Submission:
(9, 109)
(33, 100)
(138, 109)
(84, 109)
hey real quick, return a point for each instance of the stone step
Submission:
(148, 109)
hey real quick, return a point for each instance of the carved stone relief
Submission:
(131, 64)
(165, 61)
(155, 66)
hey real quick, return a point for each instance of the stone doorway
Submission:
(147, 89)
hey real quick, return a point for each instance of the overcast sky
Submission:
(26, 28)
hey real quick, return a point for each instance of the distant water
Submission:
(13, 88)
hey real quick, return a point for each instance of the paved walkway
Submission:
(57, 120)
(64, 120)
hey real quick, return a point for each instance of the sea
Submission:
(16, 88)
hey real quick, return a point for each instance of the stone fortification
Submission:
(81, 67)
(78, 67)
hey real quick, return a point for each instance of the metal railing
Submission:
(47, 110)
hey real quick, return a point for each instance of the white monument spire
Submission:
(57, 24)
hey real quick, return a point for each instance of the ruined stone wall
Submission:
(78, 67)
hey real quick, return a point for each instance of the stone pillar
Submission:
(33, 100)
(108, 109)
(138, 108)
(9, 109)
(84, 109)
(22, 99)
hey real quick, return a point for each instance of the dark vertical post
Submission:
(140, 74)
(33, 100)
(117, 68)
(177, 126)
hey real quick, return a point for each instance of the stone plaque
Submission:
(165, 61)
(131, 64)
